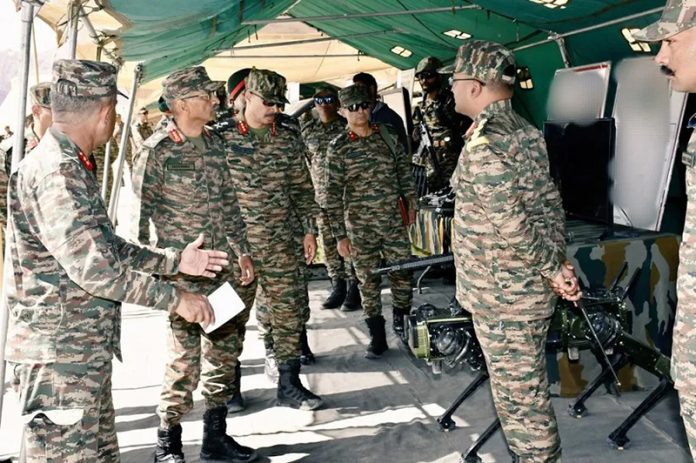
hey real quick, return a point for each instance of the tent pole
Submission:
(337, 55)
(376, 14)
(564, 51)
(93, 34)
(589, 28)
(17, 155)
(113, 202)
(321, 39)
(106, 167)
(74, 11)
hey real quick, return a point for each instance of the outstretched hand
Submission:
(202, 262)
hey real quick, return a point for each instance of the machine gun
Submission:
(418, 263)
(599, 324)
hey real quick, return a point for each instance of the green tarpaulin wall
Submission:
(171, 34)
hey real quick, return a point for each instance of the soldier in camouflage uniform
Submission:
(267, 162)
(141, 130)
(508, 241)
(184, 187)
(367, 172)
(677, 59)
(320, 126)
(68, 272)
(445, 126)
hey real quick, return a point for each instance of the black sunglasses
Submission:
(281, 106)
(426, 75)
(321, 100)
(355, 106)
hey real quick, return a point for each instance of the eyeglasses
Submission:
(355, 106)
(452, 80)
(321, 100)
(426, 75)
(203, 96)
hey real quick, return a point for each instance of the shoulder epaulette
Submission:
(155, 139)
(478, 137)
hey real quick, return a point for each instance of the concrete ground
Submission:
(375, 411)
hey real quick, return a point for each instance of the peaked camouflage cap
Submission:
(678, 16)
(188, 81)
(483, 60)
(83, 78)
(41, 94)
(353, 94)
(325, 90)
(268, 85)
(428, 64)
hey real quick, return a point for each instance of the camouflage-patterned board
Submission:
(652, 299)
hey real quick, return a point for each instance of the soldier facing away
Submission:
(508, 241)
(274, 188)
(677, 59)
(320, 126)
(184, 186)
(68, 272)
(366, 175)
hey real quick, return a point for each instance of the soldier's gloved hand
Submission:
(201, 262)
(247, 267)
(310, 247)
(194, 308)
(565, 283)
(344, 247)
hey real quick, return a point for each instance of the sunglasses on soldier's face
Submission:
(355, 106)
(322, 100)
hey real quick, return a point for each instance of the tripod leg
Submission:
(618, 437)
(471, 455)
(577, 408)
(445, 420)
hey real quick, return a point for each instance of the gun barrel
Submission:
(414, 264)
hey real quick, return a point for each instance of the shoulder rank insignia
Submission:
(474, 134)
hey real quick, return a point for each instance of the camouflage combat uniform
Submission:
(678, 16)
(68, 270)
(444, 127)
(363, 178)
(185, 191)
(317, 136)
(140, 132)
(509, 237)
(273, 187)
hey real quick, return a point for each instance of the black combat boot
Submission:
(337, 296)
(352, 301)
(217, 446)
(378, 338)
(236, 402)
(398, 321)
(306, 355)
(169, 445)
(291, 392)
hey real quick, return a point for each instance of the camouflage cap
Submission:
(268, 85)
(678, 16)
(485, 61)
(428, 64)
(353, 94)
(41, 94)
(325, 90)
(187, 81)
(83, 78)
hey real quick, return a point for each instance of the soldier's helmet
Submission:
(485, 61)
(236, 83)
(41, 94)
(84, 78)
(428, 64)
(353, 94)
(189, 81)
(268, 85)
(678, 16)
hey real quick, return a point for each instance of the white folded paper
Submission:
(226, 305)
